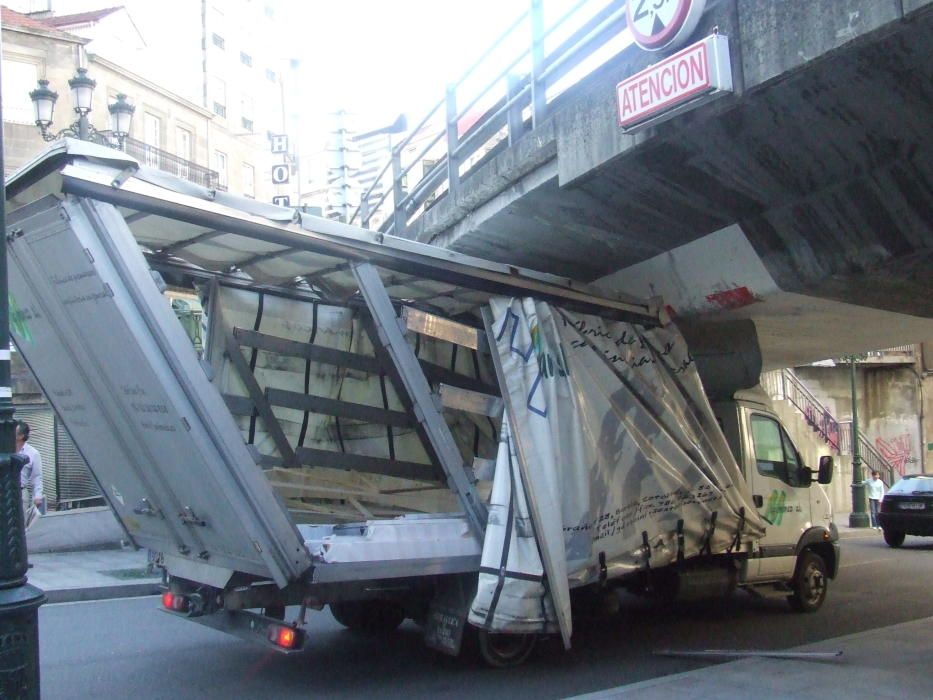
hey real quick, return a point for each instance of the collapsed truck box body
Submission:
(363, 406)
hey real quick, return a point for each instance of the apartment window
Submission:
(247, 110)
(183, 150)
(220, 165)
(218, 41)
(219, 93)
(19, 78)
(183, 143)
(249, 180)
(152, 135)
(270, 75)
(246, 59)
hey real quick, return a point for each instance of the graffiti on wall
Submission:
(896, 451)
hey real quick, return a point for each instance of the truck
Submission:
(388, 429)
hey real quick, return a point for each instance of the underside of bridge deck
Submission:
(825, 167)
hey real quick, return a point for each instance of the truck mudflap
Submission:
(124, 378)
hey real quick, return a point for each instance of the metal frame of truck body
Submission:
(373, 272)
(72, 177)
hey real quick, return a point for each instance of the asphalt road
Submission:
(126, 648)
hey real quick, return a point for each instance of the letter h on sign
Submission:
(279, 143)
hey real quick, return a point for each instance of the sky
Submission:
(378, 59)
(381, 58)
(372, 58)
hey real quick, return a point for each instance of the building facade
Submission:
(226, 59)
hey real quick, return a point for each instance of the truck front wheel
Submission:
(372, 616)
(809, 584)
(505, 650)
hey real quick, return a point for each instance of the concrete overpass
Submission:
(803, 200)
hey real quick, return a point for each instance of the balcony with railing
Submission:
(170, 163)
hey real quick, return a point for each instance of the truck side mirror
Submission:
(826, 469)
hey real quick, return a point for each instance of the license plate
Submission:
(911, 506)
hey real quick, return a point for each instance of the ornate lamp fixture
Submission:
(82, 93)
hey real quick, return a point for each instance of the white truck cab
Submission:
(800, 548)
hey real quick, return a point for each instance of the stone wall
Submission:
(888, 407)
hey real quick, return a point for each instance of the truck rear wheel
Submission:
(894, 538)
(372, 616)
(809, 584)
(505, 650)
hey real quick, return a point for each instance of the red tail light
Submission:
(286, 637)
(174, 602)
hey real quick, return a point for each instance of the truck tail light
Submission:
(286, 637)
(174, 602)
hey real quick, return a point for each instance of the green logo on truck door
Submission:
(19, 321)
(774, 513)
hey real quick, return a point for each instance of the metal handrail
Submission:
(466, 74)
(527, 91)
(814, 412)
(869, 455)
(578, 41)
(170, 163)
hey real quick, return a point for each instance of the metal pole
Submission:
(19, 601)
(453, 140)
(859, 515)
(538, 84)
(84, 131)
(398, 194)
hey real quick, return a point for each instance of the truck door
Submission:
(782, 500)
(125, 380)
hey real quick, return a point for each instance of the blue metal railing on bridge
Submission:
(505, 94)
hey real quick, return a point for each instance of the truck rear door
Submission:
(123, 377)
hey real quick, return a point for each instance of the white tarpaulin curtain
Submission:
(611, 443)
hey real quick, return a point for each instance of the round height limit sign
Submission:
(662, 24)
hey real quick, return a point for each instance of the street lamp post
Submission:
(19, 601)
(859, 515)
(82, 94)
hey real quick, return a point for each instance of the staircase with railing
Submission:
(870, 457)
(785, 384)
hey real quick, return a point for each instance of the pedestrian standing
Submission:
(31, 476)
(874, 487)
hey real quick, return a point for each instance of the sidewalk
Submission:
(121, 573)
(92, 575)
(890, 662)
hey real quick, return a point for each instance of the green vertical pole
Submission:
(19, 601)
(859, 515)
